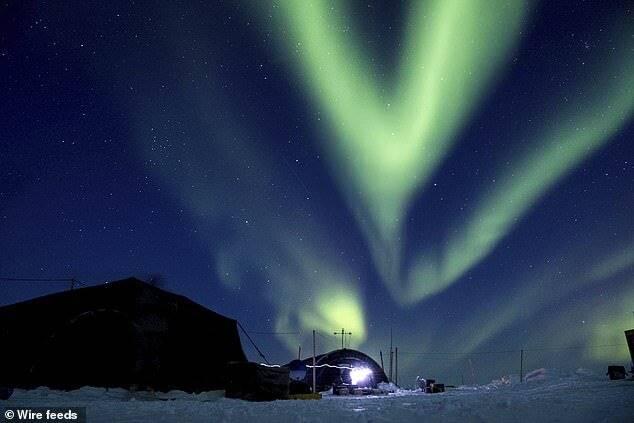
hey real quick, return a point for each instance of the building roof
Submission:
(117, 334)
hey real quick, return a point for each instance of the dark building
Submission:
(629, 336)
(338, 367)
(121, 334)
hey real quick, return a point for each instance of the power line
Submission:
(37, 279)
(458, 353)
(253, 343)
(275, 333)
(327, 338)
(72, 281)
(513, 351)
(576, 348)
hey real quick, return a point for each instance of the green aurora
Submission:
(386, 143)
(383, 142)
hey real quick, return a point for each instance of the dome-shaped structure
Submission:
(344, 366)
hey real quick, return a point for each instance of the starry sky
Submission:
(458, 172)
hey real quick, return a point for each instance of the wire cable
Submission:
(253, 343)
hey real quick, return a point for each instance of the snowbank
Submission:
(546, 395)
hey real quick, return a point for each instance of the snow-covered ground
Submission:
(545, 396)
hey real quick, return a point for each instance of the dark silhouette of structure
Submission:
(121, 334)
(629, 336)
(332, 368)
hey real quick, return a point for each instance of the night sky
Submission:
(460, 172)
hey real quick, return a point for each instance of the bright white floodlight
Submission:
(359, 374)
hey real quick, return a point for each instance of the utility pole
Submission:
(521, 365)
(396, 367)
(473, 379)
(391, 356)
(343, 333)
(314, 370)
(381, 354)
(299, 353)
